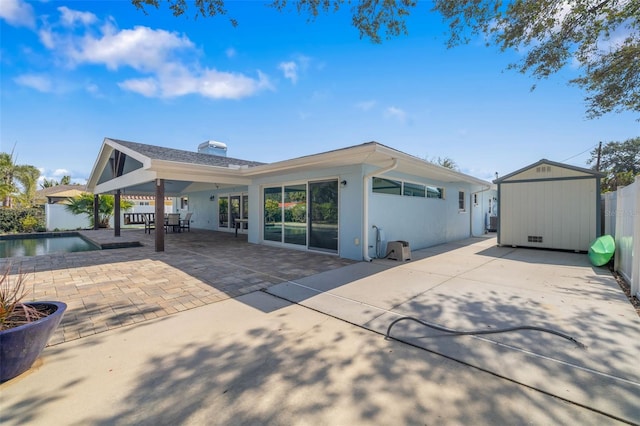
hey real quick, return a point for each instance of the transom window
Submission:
(409, 189)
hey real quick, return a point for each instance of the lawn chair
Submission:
(149, 223)
(173, 222)
(186, 222)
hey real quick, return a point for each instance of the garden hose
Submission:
(480, 332)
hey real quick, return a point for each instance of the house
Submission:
(549, 205)
(58, 194)
(348, 201)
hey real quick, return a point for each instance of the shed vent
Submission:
(543, 169)
(534, 239)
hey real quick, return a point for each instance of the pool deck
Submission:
(108, 289)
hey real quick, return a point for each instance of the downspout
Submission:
(471, 209)
(365, 206)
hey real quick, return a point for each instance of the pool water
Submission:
(14, 246)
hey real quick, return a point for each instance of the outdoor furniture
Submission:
(149, 223)
(186, 222)
(237, 223)
(173, 222)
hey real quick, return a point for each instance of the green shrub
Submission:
(11, 220)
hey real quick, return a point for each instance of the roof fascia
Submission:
(135, 177)
(324, 158)
(551, 163)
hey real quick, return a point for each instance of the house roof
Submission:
(154, 152)
(124, 164)
(544, 161)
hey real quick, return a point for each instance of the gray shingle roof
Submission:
(170, 154)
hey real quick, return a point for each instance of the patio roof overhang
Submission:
(139, 176)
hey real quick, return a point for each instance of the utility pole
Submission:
(599, 155)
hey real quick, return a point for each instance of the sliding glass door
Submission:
(288, 208)
(323, 223)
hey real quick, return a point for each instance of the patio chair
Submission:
(186, 222)
(149, 223)
(173, 222)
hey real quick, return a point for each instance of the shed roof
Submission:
(544, 161)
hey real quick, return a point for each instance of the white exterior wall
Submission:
(562, 212)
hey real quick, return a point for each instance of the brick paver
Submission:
(107, 289)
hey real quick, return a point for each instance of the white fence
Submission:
(58, 218)
(624, 206)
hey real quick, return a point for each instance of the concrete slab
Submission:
(507, 287)
(259, 360)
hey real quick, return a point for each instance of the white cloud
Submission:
(39, 82)
(60, 172)
(396, 113)
(17, 13)
(164, 59)
(366, 105)
(145, 86)
(290, 70)
(69, 18)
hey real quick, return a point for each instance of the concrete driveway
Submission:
(260, 359)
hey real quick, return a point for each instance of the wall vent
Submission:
(534, 239)
(543, 169)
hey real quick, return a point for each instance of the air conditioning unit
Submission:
(398, 250)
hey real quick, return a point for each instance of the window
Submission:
(433, 192)
(387, 186)
(413, 190)
(461, 203)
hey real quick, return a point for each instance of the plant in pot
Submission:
(25, 327)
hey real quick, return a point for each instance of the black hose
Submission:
(479, 332)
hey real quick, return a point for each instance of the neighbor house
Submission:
(348, 201)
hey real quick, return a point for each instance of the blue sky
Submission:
(274, 87)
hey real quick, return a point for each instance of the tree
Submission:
(447, 162)
(601, 36)
(17, 181)
(48, 183)
(620, 161)
(83, 204)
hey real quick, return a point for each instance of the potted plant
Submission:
(25, 327)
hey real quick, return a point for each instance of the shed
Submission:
(549, 205)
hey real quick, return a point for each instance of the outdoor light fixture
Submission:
(343, 183)
(213, 197)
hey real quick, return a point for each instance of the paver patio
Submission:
(107, 289)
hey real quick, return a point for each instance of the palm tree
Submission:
(83, 204)
(12, 174)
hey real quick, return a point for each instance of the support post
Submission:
(159, 215)
(96, 216)
(116, 214)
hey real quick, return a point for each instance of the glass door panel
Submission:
(323, 205)
(234, 210)
(245, 211)
(223, 212)
(295, 214)
(273, 214)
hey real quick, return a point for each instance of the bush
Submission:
(20, 220)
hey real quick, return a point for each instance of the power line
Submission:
(574, 156)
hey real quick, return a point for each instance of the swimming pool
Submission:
(45, 243)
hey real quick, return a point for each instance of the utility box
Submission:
(398, 250)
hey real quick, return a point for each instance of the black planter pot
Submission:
(21, 346)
